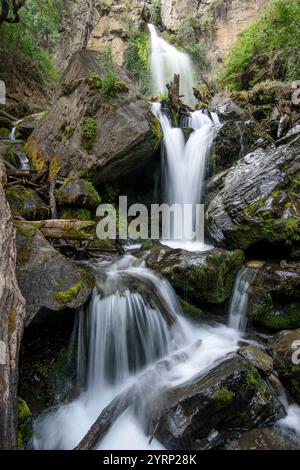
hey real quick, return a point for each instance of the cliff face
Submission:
(223, 19)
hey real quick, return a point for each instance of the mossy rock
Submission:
(25, 424)
(191, 310)
(4, 133)
(27, 203)
(78, 214)
(77, 192)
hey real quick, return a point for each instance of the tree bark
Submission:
(65, 229)
(12, 317)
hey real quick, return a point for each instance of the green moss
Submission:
(11, 157)
(292, 377)
(137, 55)
(253, 378)
(224, 395)
(96, 199)
(88, 131)
(36, 157)
(4, 133)
(78, 214)
(64, 297)
(24, 423)
(26, 202)
(11, 321)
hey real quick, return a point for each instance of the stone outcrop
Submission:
(257, 199)
(98, 126)
(12, 317)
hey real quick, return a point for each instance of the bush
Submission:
(266, 50)
(88, 131)
(137, 58)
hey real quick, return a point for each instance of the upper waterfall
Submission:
(166, 61)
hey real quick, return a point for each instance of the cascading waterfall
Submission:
(166, 61)
(238, 308)
(12, 135)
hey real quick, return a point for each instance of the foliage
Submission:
(267, 49)
(224, 395)
(96, 199)
(32, 40)
(137, 58)
(156, 12)
(64, 297)
(88, 131)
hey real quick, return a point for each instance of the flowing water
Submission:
(238, 308)
(184, 173)
(12, 135)
(166, 61)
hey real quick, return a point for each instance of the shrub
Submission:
(137, 58)
(88, 131)
(266, 50)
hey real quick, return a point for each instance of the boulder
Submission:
(257, 199)
(26, 202)
(274, 298)
(27, 125)
(202, 278)
(265, 439)
(98, 126)
(226, 108)
(210, 408)
(47, 279)
(286, 352)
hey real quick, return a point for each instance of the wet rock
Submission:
(258, 357)
(27, 125)
(210, 408)
(233, 139)
(265, 439)
(27, 203)
(274, 298)
(286, 351)
(202, 278)
(46, 278)
(99, 126)
(257, 199)
(226, 108)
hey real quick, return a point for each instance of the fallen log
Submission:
(64, 229)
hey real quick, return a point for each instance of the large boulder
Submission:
(286, 351)
(274, 298)
(210, 408)
(203, 278)
(98, 125)
(27, 203)
(47, 279)
(257, 199)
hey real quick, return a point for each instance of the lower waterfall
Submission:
(133, 320)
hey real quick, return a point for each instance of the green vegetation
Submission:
(78, 214)
(32, 40)
(156, 12)
(95, 198)
(137, 58)
(254, 379)
(24, 424)
(224, 395)
(266, 50)
(64, 297)
(88, 131)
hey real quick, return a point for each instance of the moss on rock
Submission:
(25, 424)
(223, 395)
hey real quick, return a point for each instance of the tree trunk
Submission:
(65, 229)
(12, 317)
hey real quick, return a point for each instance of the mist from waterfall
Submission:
(166, 61)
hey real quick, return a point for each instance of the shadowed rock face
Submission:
(213, 404)
(98, 126)
(46, 278)
(204, 278)
(257, 199)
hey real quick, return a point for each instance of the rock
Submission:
(78, 193)
(274, 298)
(286, 347)
(27, 203)
(202, 278)
(98, 126)
(46, 278)
(257, 199)
(210, 408)
(233, 139)
(27, 125)
(25, 424)
(258, 357)
(226, 108)
(265, 439)
(12, 317)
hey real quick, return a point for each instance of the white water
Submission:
(12, 135)
(122, 334)
(166, 61)
(238, 308)
(184, 173)
(24, 162)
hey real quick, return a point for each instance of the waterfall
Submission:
(238, 308)
(12, 135)
(184, 170)
(24, 162)
(166, 61)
